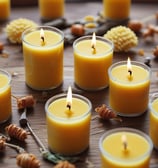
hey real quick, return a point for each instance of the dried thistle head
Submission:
(16, 27)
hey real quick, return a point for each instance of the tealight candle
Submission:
(129, 88)
(5, 96)
(116, 9)
(92, 58)
(4, 9)
(68, 123)
(43, 57)
(153, 126)
(51, 9)
(125, 148)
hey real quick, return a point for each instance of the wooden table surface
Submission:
(14, 64)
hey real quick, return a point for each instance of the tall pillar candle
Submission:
(4, 9)
(129, 89)
(51, 9)
(153, 126)
(116, 9)
(91, 63)
(125, 148)
(43, 57)
(5, 96)
(68, 129)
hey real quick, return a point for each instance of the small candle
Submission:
(129, 88)
(116, 9)
(5, 96)
(43, 57)
(135, 155)
(4, 9)
(68, 123)
(153, 126)
(92, 58)
(51, 9)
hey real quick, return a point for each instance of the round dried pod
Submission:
(16, 132)
(16, 27)
(77, 29)
(64, 164)
(155, 52)
(26, 160)
(122, 37)
(135, 25)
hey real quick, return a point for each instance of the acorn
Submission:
(77, 30)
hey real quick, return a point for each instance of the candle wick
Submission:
(94, 49)
(43, 41)
(130, 72)
(68, 106)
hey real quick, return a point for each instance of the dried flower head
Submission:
(122, 37)
(16, 27)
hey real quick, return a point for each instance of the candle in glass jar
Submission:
(5, 96)
(4, 9)
(125, 148)
(129, 89)
(68, 124)
(51, 9)
(153, 126)
(116, 9)
(92, 58)
(43, 57)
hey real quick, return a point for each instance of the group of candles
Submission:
(68, 116)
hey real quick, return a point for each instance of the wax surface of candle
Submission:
(129, 95)
(112, 9)
(91, 69)
(132, 157)
(154, 122)
(66, 136)
(51, 9)
(43, 63)
(5, 98)
(4, 9)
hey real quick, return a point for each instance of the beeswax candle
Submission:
(4, 9)
(43, 58)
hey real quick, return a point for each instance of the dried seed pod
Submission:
(135, 25)
(155, 51)
(64, 164)
(2, 143)
(16, 132)
(1, 47)
(106, 113)
(26, 160)
(77, 30)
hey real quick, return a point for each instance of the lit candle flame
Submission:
(129, 66)
(69, 98)
(42, 36)
(124, 142)
(93, 43)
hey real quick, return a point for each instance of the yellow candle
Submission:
(51, 9)
(116, 9)
(91, 63)
(5, 96)
(135, 155)
(153, 127)
(68, 128)
(129, 94)
(4, 9)
(43, 58)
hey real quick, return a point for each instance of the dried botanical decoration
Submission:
(16, 27)
(77, 29)
(25, 101)
(27, 160)
(106, 113)
(2, 143)
(1, 47)
(16, 132)
(64, 164)
(155, 51)
(122, 37)
(135, 25)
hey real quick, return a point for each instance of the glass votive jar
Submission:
(116, 9)
(4, 10)
(43, 57)
(125, 148)
(5, 96)
(51, 9)
(68, 129)
(153, 126)
(129, 94)
(91, 65)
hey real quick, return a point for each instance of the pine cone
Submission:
(122, 37)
